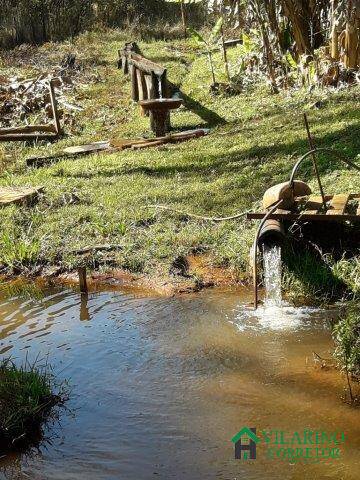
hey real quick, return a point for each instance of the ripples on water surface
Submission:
(160, 386)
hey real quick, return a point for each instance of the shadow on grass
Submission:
(236, 160)
(197, 164)
(211, 118)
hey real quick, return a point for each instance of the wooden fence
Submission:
(148, 79)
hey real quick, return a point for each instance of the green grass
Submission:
(26, 402)
(347, 337)
(104, 199)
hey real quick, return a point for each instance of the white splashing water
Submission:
(282, 318)
(275, 314)
(160, 87)
(272, 275)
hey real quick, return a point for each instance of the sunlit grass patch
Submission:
(105, 198)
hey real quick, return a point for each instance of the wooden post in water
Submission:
(83, 280)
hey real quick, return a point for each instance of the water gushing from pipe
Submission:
(159, 77)
(272, 275)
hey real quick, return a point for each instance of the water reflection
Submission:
(161, 385)
(84, 309)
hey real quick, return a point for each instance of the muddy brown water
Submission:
(160, 386)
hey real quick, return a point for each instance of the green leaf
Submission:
(291, 61)
(216, 31)
(195, 35)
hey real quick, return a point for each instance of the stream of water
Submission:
(272, 275)
(161, 385)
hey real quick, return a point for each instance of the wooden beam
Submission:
(313, 205)
(134, 84)
(145, 65)
(338, 204)
(10, 195)
(28, 129)
(305, 217)
(26, 137)
(164, 85)
(54, 107)
(142, 87)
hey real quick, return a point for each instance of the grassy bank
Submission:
(105, 199)
(346, 333)
(26, 401)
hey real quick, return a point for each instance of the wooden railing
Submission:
(148, 79)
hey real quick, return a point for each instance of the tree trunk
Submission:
(298, 12)
(183, 17)
(227, 70)
(262, 21)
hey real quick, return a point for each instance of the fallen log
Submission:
(27, 129)
(123, 144)
(169, 139)
(26, 137)
(114, 146)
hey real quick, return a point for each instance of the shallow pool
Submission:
(160, 386)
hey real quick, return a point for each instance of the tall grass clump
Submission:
(27, 400)
(347, 337)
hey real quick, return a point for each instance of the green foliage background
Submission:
(37, 21)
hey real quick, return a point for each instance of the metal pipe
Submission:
(328, 150)
(272, 232)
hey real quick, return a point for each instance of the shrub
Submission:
(347, 337)
(27, 399)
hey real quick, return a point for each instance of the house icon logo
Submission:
(245, 443)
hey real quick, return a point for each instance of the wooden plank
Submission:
(142, 87)
(338, 204)
(145, 65)
(125, 142)
(305, 217)
(27, 129)
(358, 209)
(54, 107)
(91, 147)
(282, 212)
(10, 195)
(303, 200)
(26, 137)
(313, 205)
(134, 84)
(151, 88)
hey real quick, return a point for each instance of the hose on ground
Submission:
(199, 217)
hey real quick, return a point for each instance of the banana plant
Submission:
(182, 4)
(209, 44)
